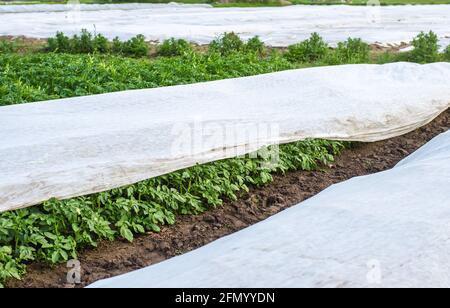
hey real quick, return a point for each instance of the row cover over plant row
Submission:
(55, 230)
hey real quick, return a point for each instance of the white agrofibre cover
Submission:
(77, 146)
(277, 26)
(390, 229)
(72, 5)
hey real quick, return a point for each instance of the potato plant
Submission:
(229, 43)
(352, 51)
(7, 46)
(314, 51)
(174, 47)
(310, 50)
(88, 43)
(426, 48)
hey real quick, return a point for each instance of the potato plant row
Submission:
(43, 76)
(70, 71)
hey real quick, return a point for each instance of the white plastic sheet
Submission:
(277, 26)
(385, 230)
(72, 5)
(82, 145)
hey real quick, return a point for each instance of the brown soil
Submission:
(191, 232)
(380, 48)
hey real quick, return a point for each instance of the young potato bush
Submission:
(135, 47)
(174, 47)
(101, 44)
(84, 43)
(352, 51)
(7, 46)
(310, 50)
(59, 43)
(426, 48)
(255, 45)
(117, 46)
(87, 43)
(10, 265)
(229, 43)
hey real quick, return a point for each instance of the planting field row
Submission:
(87, 63)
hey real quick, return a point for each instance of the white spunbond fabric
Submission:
(77, 146)
(277, 26)
(390, 229)
(72, 5)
